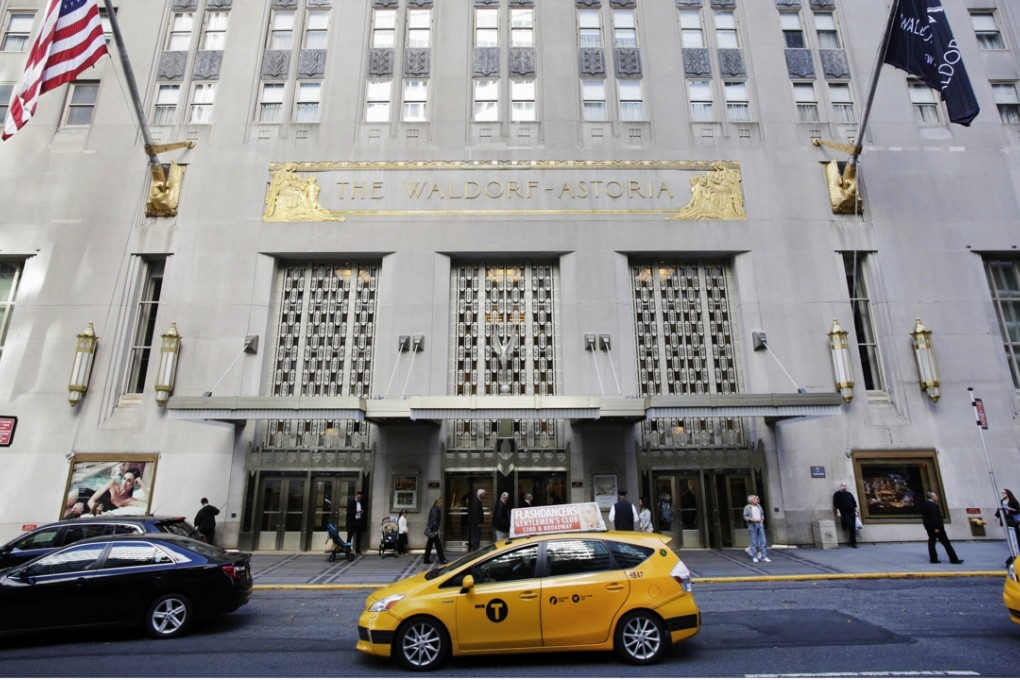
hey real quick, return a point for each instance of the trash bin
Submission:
(824, 531)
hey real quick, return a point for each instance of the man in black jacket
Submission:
(931, 516)
(205, 520)
(357, 522)
(475, 517)
(623, 515)
(846, 510)
(501, 517)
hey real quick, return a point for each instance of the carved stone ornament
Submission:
(319, 3)
(185, 4)
(588, 4)
(311, 63)
(417, 61)
(486, 62)
(716, 195)
(522, 61)
(207, 65)
(724, 4)
(384, 4)
(219, 4)
(623, 4)
(171, 65)
(799, 63)
(627, 61)
(696, 62)
(834, 64)
(293, 198)
(731, 62)
(380, 61)
(823, 4)
(164, 196)
(788, 4)
(277, 4)
(275, 64)
(486, 3)
(688, 3)
(522, 3)
(592, 62)
(419, 4)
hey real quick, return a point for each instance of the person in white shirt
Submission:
(754, 517)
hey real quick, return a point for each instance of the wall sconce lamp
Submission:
(924, 355)
(168, 353)
(841, 368)
(81, 371)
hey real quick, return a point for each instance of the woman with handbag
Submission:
(432, 533)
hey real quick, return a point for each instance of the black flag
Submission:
(922, 44)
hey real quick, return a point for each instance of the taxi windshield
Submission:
(457, 564)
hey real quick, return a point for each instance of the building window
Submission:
(214, 33)
(307, 101)
(522, 27)
(281, 31)
(145, 325)
(864, 324)
(104, 19)
(738, 107)
(1004, 285)
(379, 95)
(522, 100)
(828, 36)
(987, 31)
(10, 275)
(726, 30)
(271, 103)
(179, 39)
(166, 104)
(1007, 102)
(700, 92)
(81, 103)
(589, 28)
(793, 30)
(624, 28)
(202, 96)
(842, 103)
(807, 102)
(593, 98)
(486, 100)
(419, 28)
(6, 92)
(17, 31)
(691, 32)
(632, 106)
(415, 100)
(486, 28)
(384, 28)
(922, 98)
(316, 29)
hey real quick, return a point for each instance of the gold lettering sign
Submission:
(677, 190)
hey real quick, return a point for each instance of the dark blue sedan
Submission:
(161, 582)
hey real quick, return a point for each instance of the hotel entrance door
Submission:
(702, 508)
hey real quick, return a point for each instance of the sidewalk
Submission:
(879, 560)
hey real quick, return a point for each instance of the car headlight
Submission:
(385, 603)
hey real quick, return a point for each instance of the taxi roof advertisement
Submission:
(552, 519)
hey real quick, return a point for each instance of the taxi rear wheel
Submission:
(641, 638)
(421, 644)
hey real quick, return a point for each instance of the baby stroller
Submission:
(389, 541)
(335, 544)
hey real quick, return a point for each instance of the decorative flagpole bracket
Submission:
(842, 180)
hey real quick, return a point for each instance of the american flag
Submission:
(69, 41)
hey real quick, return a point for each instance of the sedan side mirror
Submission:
(467, 584)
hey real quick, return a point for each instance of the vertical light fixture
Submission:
(168, 353)
(81, 371)
(924, 355)
(841, 368)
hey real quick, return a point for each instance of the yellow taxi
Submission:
(1011, 591)
(577, 590)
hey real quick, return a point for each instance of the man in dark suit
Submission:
(475, 517)
(846, 510)
(357, 521)
(623, 515)
(205, 520)
(931, 516)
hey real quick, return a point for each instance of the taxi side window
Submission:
(629, 556)
(577, 557)
(40, 539)
(511, 566)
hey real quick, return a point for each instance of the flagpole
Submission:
(859, 144)
(154, 165)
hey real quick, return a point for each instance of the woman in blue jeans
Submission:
(754, 518)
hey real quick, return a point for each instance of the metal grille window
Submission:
(807, 102)
(1007, 101)
(1004, 286)
(726, 30)
(842, 103)
(324, 347)
(589, 28)
(864, 323)
(10, 276)
(793, 30)
(179, 38)
(691, 32)
(504, 338)
(987, 30)
(145, 325)
(214, 36)
(684, 345)
(19, 27)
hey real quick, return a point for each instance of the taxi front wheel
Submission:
(421, 644)
(641, 638)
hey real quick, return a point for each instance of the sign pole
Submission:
(981, 421)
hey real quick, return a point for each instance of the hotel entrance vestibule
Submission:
(703, 508)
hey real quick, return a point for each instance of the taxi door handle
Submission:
(614, 587)
(529, 595)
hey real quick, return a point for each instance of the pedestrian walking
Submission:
(754, 518)
(501, 517)
(433, 539)
(1009, 513)
(931, 517)
(846, 511)
(205, 521)
(623, 514)
(402, 533)
(475, 517)
(644, 515)
(357, 521)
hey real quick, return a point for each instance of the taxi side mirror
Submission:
(467, 584)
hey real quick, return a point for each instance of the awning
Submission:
(771, 407)
(237, 409)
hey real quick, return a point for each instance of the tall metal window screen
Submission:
(324, 348)
(685, 346)
(1004, 285)
(864, 323)
(504, 340)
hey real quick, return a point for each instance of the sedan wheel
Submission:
(641, 638)
(169, 616)
(421, 644)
